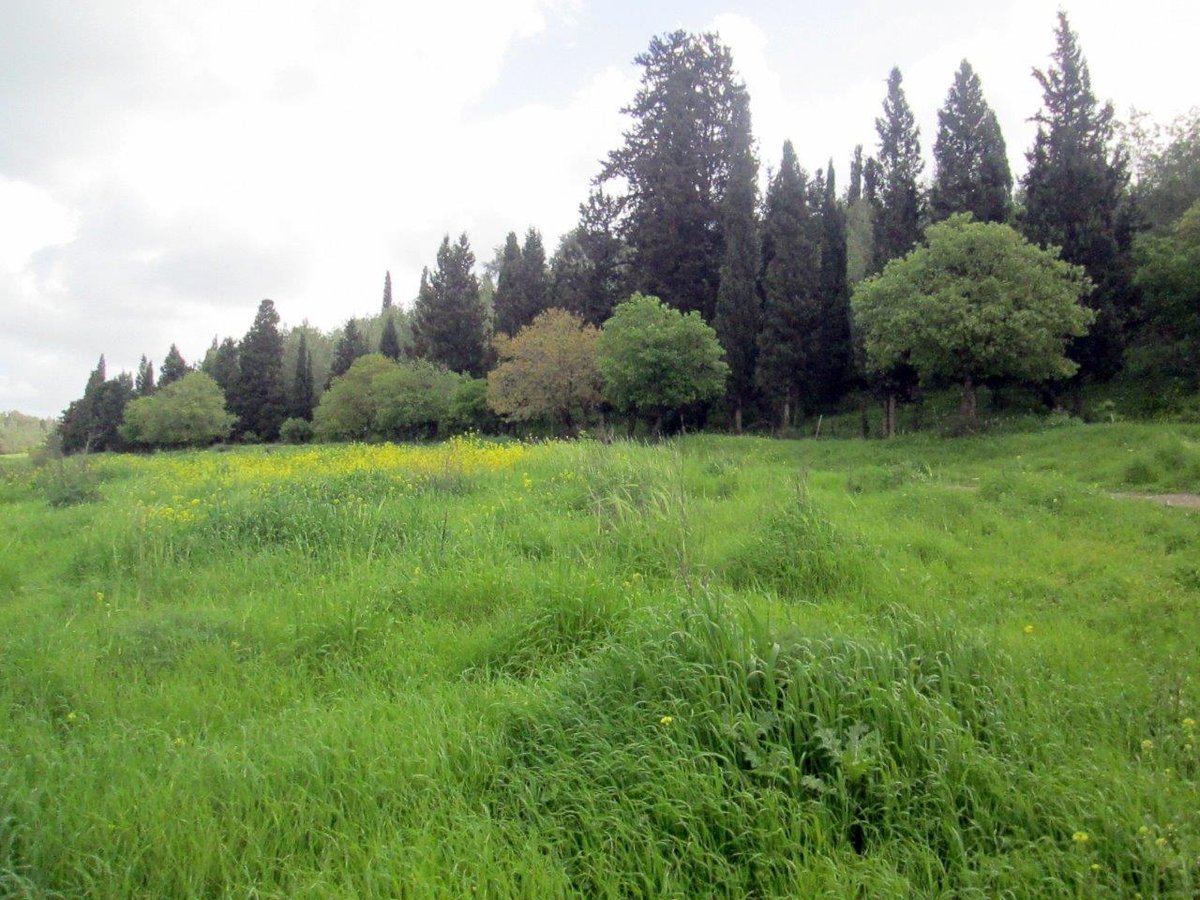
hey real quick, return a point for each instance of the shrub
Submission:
(296, 431)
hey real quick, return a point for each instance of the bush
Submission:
(296, 431)
(68, 482)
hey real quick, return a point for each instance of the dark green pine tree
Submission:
(1073, 196)
(449, 319)
(588, 272)
(221, 364)
(350, 346)
(303, 386)
(506, 301)
(971, 172)
(675, 162)
(92, 423)
(534, 279)
(791, 306)
(855, 192)
(898, 219)
(173, 368)
(387, 291)
(833, 366)
(389, 341)
(738, 316)
(143, 385)
(259, 398)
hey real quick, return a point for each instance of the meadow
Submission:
(714, 666)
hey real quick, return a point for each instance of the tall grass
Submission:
(717, 667)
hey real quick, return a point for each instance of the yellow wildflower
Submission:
(1147, 745)
(1095, 867)
(666, 720)
(1188, 723)
(1143, 830)
(1160, 842)
(1029, 629)
(71, 717)
(1080, 837)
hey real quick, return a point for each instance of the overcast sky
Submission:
(164, 165)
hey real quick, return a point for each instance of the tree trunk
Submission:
(967, 408)
(786, 420)
(658, 423)
(889, 416)
(737, 419)
(864, 421)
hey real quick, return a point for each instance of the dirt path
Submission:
(1185, 501)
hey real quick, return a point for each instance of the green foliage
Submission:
(449, 319)
(173, 368)
(976, 302)
(67, 482)
(188, 412)
(1168, 277)
(547, 371)
(1073, 192)
(588, 271)
(1169, 174)
(259, 396)
(788, 345)
(523, 283)
(349, 347)
(382, 399)
(655, 359)
(900, 203)
(738, 315)
(296, 431)
(677, 156)
(20, 433)
(972, 173)
(92, 423)
(389, 341)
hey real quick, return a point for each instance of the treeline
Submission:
(20, 433)
(675, 213)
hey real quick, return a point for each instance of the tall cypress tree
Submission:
(389, 341)
(173, 368)
(449, 320)
(534, 278)
(1073, 192)
(675, 162)
(350, 346)
(387, 291)
(738, 313)
(588, 272)
(791, 307)
(856, 176)
(221, 363)
(506, 301)
(971, 162)
(143, 385)
(833, 365)
(303, 387)
(898, 219)
(259, 399)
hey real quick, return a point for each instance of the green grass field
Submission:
(711, 667)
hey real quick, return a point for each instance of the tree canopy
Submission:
(977, 301)
(655, 359)
(547, 371)
(187, 412)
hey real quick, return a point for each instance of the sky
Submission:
(165, 165)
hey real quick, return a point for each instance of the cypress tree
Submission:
(1073, 192)
(854, 194)
(534, 278)
(833, 366)
(898, 219)
(221, 363)
(971, 162)
(738, 312)
(588, 272)
(387, 291)
(173, 368)
(449, 320)
(389, 342)
(675, 162)
(350, 346)
(507, 301)
(259, 399)
(303, 386)
(143, 385)
(791, 308)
